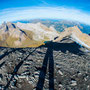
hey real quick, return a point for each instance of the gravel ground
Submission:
(55, 66)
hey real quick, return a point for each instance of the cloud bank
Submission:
(14, 14)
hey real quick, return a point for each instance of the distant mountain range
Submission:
(59, 24)
(25, 35)
(20, 35)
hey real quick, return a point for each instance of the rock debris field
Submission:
(56, 66)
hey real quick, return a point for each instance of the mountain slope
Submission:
(25, 35)
(76, 35)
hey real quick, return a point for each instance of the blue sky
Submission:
(78, 10)
(79, 4)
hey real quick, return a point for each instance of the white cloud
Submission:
(14, 14)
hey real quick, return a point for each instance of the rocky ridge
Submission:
(76, 35)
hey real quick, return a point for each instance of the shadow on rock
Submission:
(63, 47)
(73, 47)
(17, 67)
(47, 59)
(7, 53)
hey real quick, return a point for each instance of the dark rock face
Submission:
(56, 66)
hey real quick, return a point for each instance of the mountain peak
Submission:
(25, 34)
(76, 35)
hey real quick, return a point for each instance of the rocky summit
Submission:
(56, 66)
